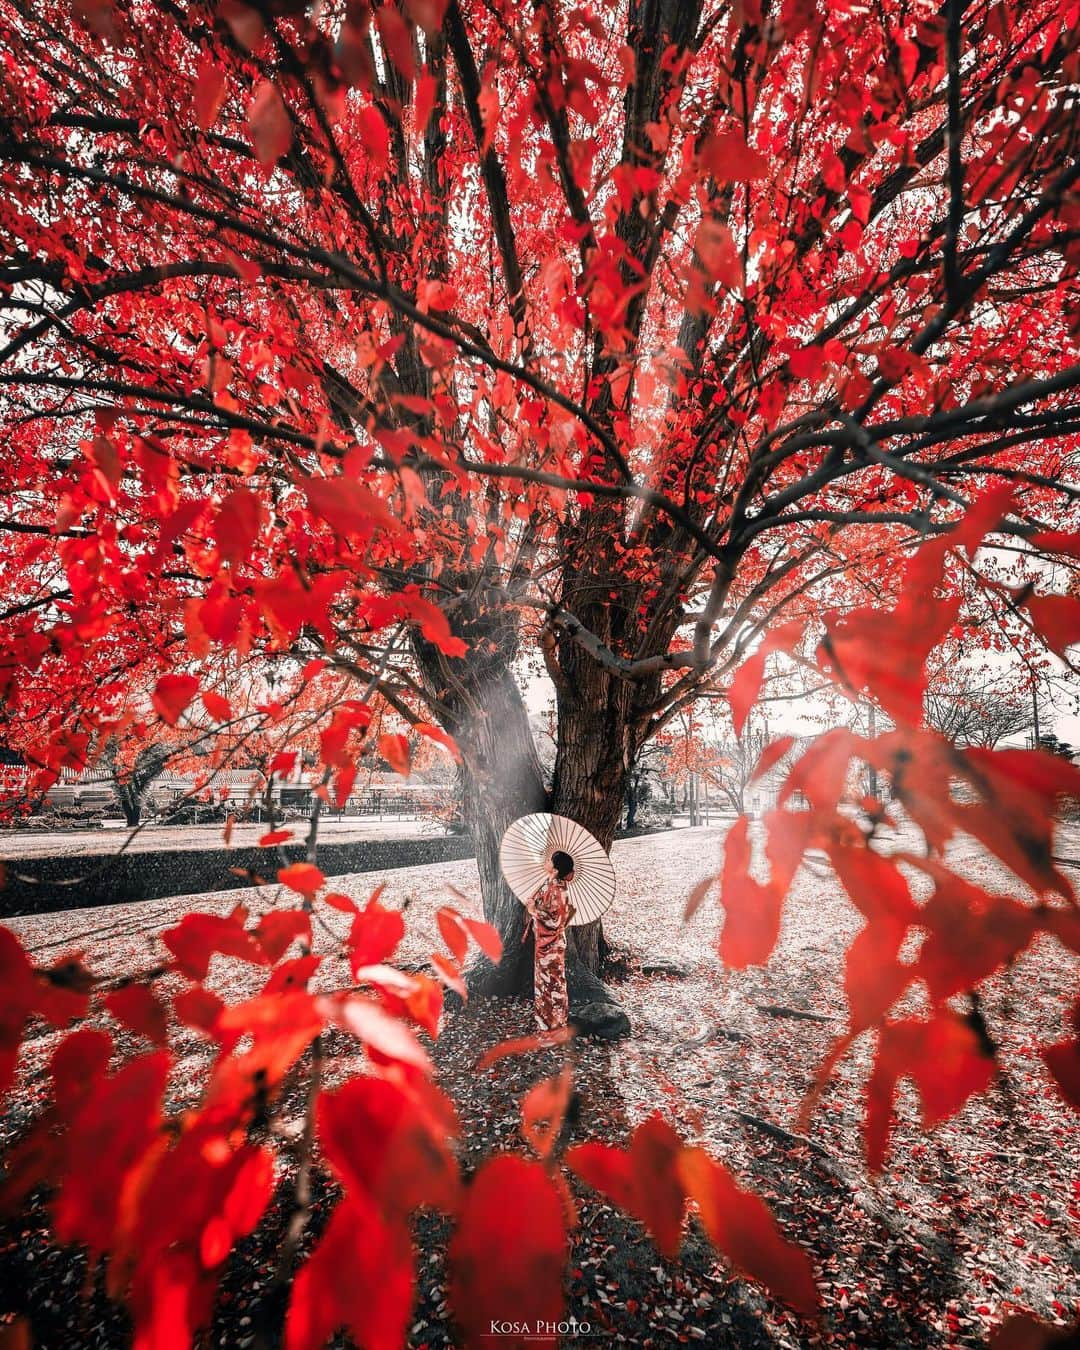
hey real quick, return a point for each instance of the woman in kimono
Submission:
(551, 911)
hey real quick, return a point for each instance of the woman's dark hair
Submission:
(562, 863)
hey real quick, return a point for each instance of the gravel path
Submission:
(20, 844)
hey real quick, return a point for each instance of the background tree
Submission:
(1054, 745)
(647, 778)
(132, 781)
(974, 707)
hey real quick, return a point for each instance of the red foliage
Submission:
(739, 1225)
(508, 1252)
(359, 1278)
(643, 1180)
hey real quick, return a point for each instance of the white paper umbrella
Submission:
(528, 845)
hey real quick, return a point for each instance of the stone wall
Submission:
(43, 885)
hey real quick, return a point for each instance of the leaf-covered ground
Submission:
(964, 1224)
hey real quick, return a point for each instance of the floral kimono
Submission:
(551, 912)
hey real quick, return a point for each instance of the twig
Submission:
(785, 1136)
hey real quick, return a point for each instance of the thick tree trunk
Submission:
(130, 801)
(484, 711)
(503, 781)
(590, 779)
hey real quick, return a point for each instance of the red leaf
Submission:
(456, 929)
(543, 1110)
(108, 1139)
(739, 1224)
(348, 506)
(268, 122)
(218, 708)
(199, 1198)
(1057, 620)
(239, 519)
(861, 202)
(359, 1277)
(78, 1063)
(771, 756)
(820, 773)
(427, 14)
(507, 1255)
(746, 684)
(278, 930)
(873, 976)
(423, 1003)
(17, 993)
(292, 976)
(643, 1180)
(1063, 1061)
(103, 454)
(199, 1008)
(972, 933)
(697, 896)
(433, 623)
(375, 136)
(380, 1032)
(450, 974)
(1023, 1331)
(138, 1007)
(389, 1144)
(273, 837)
(453, 932)
(1058, 541)
(752, 909)
(394, 748)
(171, 696)
(728, 158)
(209, 92)
(338, 901)
(716, 251)
(944, 1058)
(523, 1045)
(283, 763)
(807, 362)
(397, 40)
(486, 938)
(302, 877)
(437, 734)
(875, 884)
(885, 652)
(62, 992)
(375, 935)
(1022, 788)
(198, 937)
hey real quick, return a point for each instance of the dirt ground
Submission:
(964, 1225)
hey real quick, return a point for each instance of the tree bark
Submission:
(503, 781)
(590, 777)
(130, 805)
(482, 708)
(632, 788)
